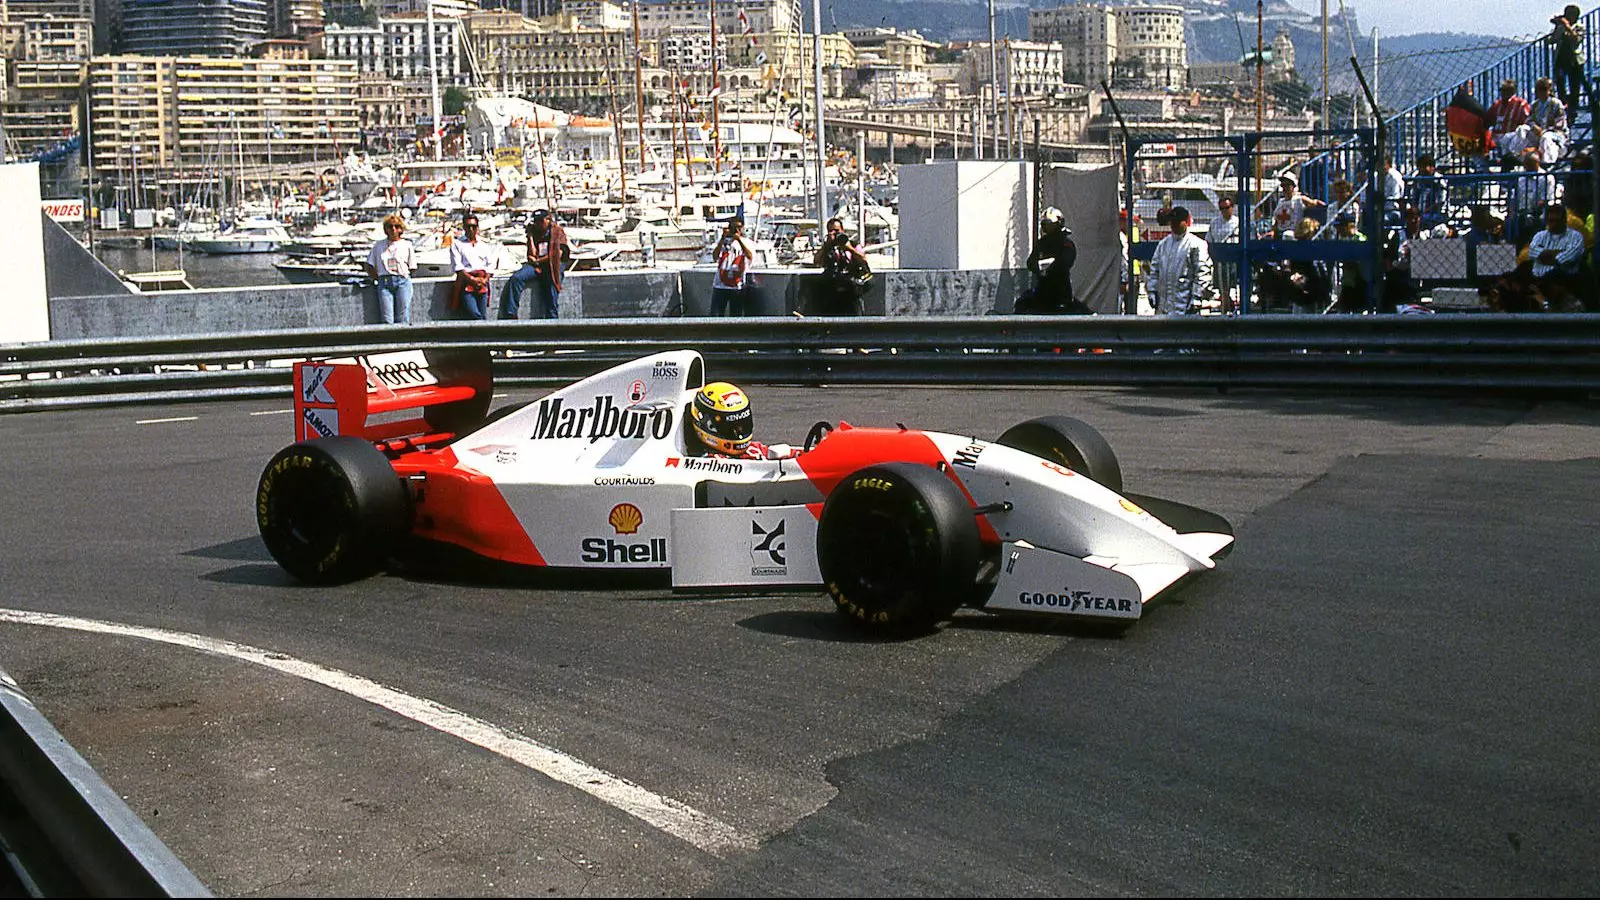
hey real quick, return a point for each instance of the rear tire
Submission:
(330, 509)
(897, 546)
(1068, 442)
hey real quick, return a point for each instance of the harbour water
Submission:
(204, 270)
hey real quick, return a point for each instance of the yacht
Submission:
(253, 235)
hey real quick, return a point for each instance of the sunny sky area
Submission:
(1506, 18)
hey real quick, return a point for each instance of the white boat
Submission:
(253, 235)
(314, 269)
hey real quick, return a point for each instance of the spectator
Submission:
(1487, 228)
(1508, 114)
(1180, 271)
(1429, 192)
(1400, 286)
(1300, 284)
(1394, 193)
(1545, 132)
(1566, 39)
(546, 254)
(473, 261)
(1224, 230)
(1578, 192)
(1291, 205)
(730, 285)
(1535, 188)
(1344, 201)
(1353, 274)
(1556, 254)
(844, 266)
(390, 262)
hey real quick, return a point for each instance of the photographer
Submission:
(1566, 39)
(845, 274)
(1051, 263)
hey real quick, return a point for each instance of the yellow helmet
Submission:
(722, 418)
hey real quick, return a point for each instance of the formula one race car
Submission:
(901, 527)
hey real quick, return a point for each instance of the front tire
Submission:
(897, 545)
(1068, 442)
(329, 510)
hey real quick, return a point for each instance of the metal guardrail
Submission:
(1505, 352)
(66, 833)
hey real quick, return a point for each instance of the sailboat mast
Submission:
(433, 73)
(716, 98)
(616, 129)
(816, 86)
(638, 94)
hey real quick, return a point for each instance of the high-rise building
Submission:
(1088, 39)
(200, 115)
(192, 27)
(1141, 44)
(295, 18)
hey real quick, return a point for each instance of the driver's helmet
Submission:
(1051, 218)
(722, 418)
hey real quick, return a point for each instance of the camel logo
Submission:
(625, 518)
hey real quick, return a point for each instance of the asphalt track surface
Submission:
(1389, 688)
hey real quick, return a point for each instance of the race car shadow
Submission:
(822, 625)
(260, 575)
(249, 549)
(818, 625)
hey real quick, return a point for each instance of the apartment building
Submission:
(42, 103)
(192, 27)
(1088, 39)
(1027, 69)
(657, 16)
(1141, 45)
(554, 61)
(193, 115)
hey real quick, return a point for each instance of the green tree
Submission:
(455, 100)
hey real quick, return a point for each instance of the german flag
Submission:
(1468, 123)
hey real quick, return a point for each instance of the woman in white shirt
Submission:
(390, 262)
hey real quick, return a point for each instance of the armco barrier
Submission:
(1501, 352)
(66, 832)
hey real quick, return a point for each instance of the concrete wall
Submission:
(897, 292)
(23, 303)
(71, 271)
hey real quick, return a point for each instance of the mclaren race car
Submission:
(901, 527)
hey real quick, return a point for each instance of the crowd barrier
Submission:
(1503, 352)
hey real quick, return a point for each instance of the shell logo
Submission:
(1131, 506)
(625, 518)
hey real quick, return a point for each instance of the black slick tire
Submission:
(331, 509)
(897, 545)
(1068, 442)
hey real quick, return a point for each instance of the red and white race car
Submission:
(901, 527)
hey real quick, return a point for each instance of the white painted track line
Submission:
(664, 813)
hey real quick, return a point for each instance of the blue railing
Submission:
(1421, 129)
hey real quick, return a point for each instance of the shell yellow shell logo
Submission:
(625, 518)
(1131, 506)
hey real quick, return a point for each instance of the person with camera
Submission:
(1566, 39)
(1051, 263)
(845, 274)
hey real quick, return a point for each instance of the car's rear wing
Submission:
(407, 399)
